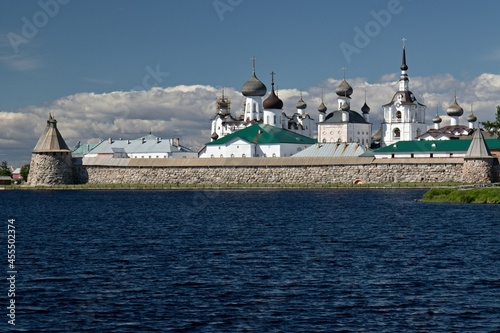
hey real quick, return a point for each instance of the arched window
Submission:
(396, 133)
(398, 115)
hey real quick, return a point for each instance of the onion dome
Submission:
(301, 104)
(253, 87)
(455, 110)
(344, 107)
(273, 101)
(365, 108)
(471, 118)
(437, 119)
(344, 89)
(322, 107)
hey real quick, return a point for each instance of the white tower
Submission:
(253, 90)
(404, 117)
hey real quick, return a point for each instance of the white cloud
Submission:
(185, 111)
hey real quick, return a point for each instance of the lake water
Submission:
(251, 261)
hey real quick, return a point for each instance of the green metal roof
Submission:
(434, 146)
(264, 134)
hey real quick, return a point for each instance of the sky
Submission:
(123, 68)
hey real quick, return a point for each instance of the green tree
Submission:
(4, 169)
(493, 127)
(25, 170)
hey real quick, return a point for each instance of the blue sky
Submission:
(168, 60)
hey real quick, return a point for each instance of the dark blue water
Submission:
(251, 261)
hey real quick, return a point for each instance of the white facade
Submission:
(300, 122)
(349, 132)
(344, 125)
(242, 148)
(148, 146)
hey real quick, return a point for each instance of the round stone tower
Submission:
(51, 162)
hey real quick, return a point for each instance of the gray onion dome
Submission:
(301, 104)
(472, 118)
(455, 110)
(437, 119)
(344, 89)
(322, 107)
(253, 87)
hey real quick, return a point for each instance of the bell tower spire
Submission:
(403, 79)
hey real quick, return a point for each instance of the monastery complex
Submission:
(263, 144)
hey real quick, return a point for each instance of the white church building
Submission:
(256, 111)
(344, 125)
(404, 116)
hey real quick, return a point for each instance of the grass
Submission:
(482, 195)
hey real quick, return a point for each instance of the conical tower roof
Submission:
(51, 140)
(478, 147)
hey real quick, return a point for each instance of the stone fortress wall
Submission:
(286, 170)
(51, 169)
